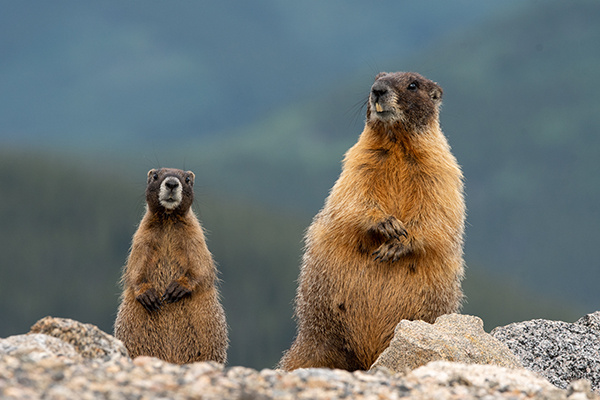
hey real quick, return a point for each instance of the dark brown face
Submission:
(169, 190)
(405, 98)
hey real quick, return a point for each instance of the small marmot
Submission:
(388, 244)
(170, 307)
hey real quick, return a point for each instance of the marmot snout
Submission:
(170, 193)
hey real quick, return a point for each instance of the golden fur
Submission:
(170, 305)
(387, 244)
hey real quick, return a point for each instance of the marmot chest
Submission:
(169, 259)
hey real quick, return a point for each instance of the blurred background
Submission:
(261, 99)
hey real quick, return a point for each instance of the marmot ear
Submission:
(191, 175)
(436, 94)
(381, 75)
(150, 173)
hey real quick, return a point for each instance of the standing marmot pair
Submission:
(170, 305)
(387, 245)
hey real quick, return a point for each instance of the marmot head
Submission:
(170, 191)
(405, 98)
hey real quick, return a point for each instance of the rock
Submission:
(92, 366)
(37, 346)
(452, 337)
(151, 378)
(87, 339)
(560, 351)
(445, 379)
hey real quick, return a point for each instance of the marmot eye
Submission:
(188, 179)
(155, 176)
(413, 86)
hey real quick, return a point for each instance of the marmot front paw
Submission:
(390, 228)
(392, 250)
(150, 299)
(175, 292)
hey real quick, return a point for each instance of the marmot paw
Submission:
(390, 228)
(150, 299)
(391, 250)
(175, 292)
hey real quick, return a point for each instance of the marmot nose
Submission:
(379, 89)
(171, 184)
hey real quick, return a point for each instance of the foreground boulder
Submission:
(79, 361)
(86, 339)
(560, 351)
(38, 346)
(452, 337)
(150, 378)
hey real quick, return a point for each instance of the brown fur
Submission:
(170, 305)
(387, 245)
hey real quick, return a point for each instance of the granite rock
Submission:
(151, 378)
(82, 362)
(87, 339)
(452, 337)
(37, 346)
(560, 351)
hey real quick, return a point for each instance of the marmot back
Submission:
(387, 245)
(170, 306)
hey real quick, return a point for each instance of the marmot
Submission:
(388, 243)
(170, 307)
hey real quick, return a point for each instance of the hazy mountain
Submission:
(145, 74)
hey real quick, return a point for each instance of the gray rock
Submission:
(37, 346)
(454, 380)
(452, 337)
(560, 351)
(38, 366)
(151, 378)
(87, 339)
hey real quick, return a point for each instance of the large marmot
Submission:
(388, 244)
(170, 305)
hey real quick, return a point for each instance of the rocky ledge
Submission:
(451, 359)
